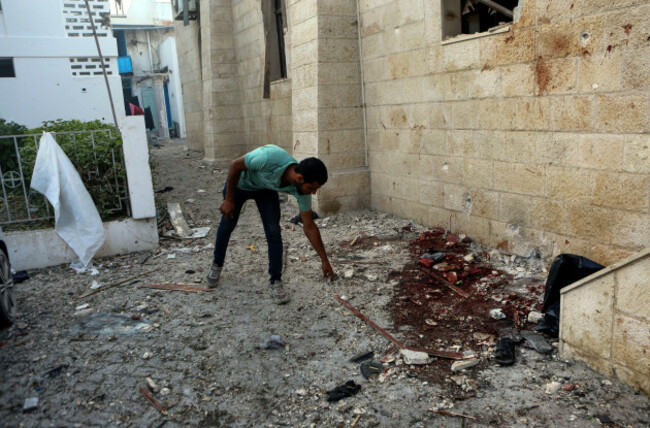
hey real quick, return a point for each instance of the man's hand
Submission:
(227, 209)
(328, 272)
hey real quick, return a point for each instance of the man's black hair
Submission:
(312, 169)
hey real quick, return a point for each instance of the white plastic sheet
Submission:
(76, 218)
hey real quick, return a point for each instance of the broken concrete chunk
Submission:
(552, 387)
(30, 404)
(497, 314)
(464, 364)
(535, 317)
(414, 357)
(152, 385)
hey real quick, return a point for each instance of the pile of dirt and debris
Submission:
(140, 341)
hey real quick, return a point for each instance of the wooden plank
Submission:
(176, 216)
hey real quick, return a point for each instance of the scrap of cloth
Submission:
(348, 389)
(77, 221)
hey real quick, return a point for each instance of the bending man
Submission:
(260, 175)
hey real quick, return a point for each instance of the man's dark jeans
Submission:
(268, 204)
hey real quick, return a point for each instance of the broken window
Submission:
(273, 12)
(475, 16)
(7, 67)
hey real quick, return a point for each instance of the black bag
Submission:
(565, 270)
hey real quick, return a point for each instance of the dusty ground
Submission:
(204, 350)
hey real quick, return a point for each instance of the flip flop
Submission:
(504, 355)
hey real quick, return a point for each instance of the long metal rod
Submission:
(441, 354)
(101, 59)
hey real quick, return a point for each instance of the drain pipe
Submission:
(363, 91)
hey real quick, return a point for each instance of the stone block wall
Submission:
(533, 139)
(189, 61)
(265, 121)
(605, 321)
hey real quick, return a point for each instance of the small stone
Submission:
(165, 391)
(81, 307)
(302, 392)
(348, 273)
(414, 357)
(464, 364)
(371, 277)
(469, 258)
(497, 314)
(569, 387)
(152, 385)
(430, 322)
(535, 317)
(146, 355)
(552, 387)
(606, 382)
(83, 313)
(30, 404)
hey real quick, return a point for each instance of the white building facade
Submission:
(148, 62)
(49, 63)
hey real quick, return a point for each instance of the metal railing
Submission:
(96, 155)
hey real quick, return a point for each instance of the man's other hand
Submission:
(328, 272)
(227, 209)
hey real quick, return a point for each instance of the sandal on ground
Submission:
(504, 355)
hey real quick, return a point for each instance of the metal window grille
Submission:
(96, 155)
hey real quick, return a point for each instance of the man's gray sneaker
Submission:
(213, 275)
(278, 294)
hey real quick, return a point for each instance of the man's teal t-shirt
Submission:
(266, 165)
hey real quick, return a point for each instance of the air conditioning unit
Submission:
(192, 9)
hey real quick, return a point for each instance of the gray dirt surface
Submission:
(204, 350)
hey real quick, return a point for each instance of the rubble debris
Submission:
(536, 342)
(177, 287)
(505, 328)
(183, 230)
(348, 389)
(274, 342)
(448, 413)
(30, 404)
(534, 317)
(497, 314)
(414, 357)
(115, 284)
(445, 282)
(442, 354)
(151, 385)
(153, 401)
(52, 373)
(200, 232)
(370, 368)
(604, 420)
(504, 354)
(108, 323)
(552, 387)
(365, 356)
(464, 364)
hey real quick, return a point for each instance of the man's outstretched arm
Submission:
(234, 172)
(313, 234)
